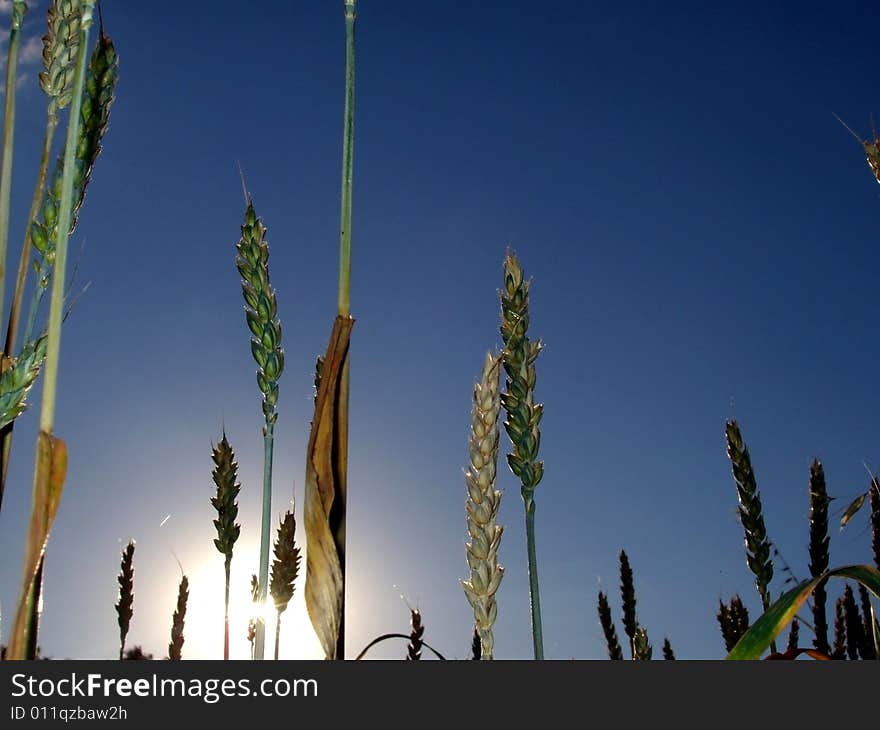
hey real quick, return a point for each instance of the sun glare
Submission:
(204, 618)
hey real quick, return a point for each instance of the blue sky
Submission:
(700, 232)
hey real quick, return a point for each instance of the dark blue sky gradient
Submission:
(700, 230)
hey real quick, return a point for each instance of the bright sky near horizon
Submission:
(701, 234)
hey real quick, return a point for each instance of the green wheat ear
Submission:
(97, 98)
(261, 313)
(60, 46)
(523, 417)
(261, 310)
(18, 378)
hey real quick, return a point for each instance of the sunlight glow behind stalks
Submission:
(204, 618)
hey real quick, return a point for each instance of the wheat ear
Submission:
(482, 505)
(750, 515)
(523, 416)
(417, 630)
(125, 604)
(261, 313)
(175, 648)
(607, 624)
(285, 569)
(628, 601)
(224, 475)
(819, 552)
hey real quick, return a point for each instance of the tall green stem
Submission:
(528, 496)
(277, 633)
(345, 280)
(265, 538)
(50, 378)
(56, 307)
(347, 163)
(226, 612)
(18, 295)
(18, 11)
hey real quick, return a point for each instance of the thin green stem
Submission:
(528, 496)
(32, 626)
(277, 633)
(24, 259)
(8, 139)
(20, 279)
(56, 308)
(56, 312)
(265, 539)
(226, 612)
(347, 163)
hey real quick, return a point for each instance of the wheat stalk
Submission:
(175, 647)
(224, 475)
(285, 569)
(124, 606)
(261, 313)
(668, 654)
(819, 552)
(19, 9)
(523, 416)
(56, 220)
(60, 48)
(51, 451)
(607, 624)
(482, 506)
(750, 514)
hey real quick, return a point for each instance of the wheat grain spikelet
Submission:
(750, 512)
(285, 567)
(482, 505)
(175, 648)
(124, 606)
(17, 379)
(60, 47)
(225, 474)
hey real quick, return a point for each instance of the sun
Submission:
(203, 630)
